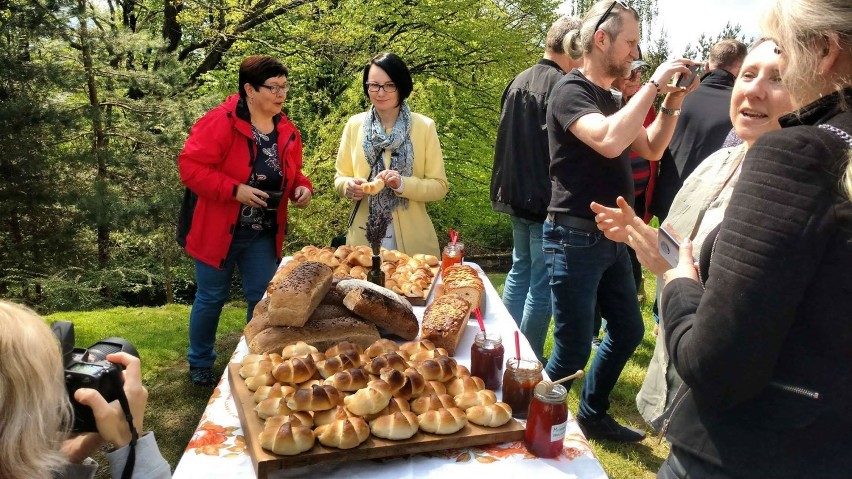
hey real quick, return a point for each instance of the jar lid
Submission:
(556, 394)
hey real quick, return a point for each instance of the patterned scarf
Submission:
(402, 154)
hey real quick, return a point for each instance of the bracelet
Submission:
(670, 111)
(656, 85)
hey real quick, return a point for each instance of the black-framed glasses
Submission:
(277, 89)
(388, 87)
(603, 18)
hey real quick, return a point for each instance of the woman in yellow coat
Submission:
(401, 148)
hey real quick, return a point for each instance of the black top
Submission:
(701, 129)
(266, 175)
(520, 183)
(766, 350)
(579, 174)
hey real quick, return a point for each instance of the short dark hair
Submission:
(727, 54)
(256, 69)
(396, 70)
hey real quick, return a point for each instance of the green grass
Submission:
(175, 405)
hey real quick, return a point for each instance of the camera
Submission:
(686, 80)
(89, 368)
(274, 199)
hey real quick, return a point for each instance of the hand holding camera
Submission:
(665, 73)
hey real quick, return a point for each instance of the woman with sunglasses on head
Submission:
(243, 160)
(392, 144)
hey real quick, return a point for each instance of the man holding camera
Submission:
(590, 140)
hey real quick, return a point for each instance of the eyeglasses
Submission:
(277, 89)
(388, 87)
(608, 11)
(635, 74)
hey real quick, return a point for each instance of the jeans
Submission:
(254, 253)
(586, 268)
(526, 293)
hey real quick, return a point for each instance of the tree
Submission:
(701, 51)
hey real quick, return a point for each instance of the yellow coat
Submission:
(412, 227)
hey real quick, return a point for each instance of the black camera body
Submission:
(88, 368)
(274, 200)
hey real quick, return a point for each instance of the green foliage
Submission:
(701, 51)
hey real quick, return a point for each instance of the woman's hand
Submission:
(353, 189)
(392, 179)
(613, 222)
(686, 267)
(251, 196)
(302, 196)
(109, 418)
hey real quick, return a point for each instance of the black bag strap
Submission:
(357, 205)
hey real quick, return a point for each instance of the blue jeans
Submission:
(526, 293)
(586, 268)
(254, 253)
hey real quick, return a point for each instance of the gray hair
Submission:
(579, 41)
(556, 33)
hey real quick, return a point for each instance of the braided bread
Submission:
(318, 398)
(491, 415)
(396, 426)
(343, 433)
(287, 440)
(442, 421)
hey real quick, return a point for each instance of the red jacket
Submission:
(218, 156)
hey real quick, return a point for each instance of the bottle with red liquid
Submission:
(453, 254)
(547, 421)
(486, 358)
(519, 380)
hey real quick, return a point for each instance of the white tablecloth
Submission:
(218, 447)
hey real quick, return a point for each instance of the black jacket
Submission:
(766, 349)
(520, 182)
(704, 123)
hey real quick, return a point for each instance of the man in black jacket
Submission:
(520, 184)
(704, 123)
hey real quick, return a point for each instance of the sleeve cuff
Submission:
(398, 191)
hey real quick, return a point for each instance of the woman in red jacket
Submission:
(240, 160)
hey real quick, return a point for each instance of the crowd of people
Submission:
(749, 167)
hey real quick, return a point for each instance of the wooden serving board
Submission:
(373, 448)
(422, 301)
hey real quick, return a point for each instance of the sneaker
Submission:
(203, 376)
(596, 343)
(607, 428)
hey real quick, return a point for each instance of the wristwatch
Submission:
(670, 111)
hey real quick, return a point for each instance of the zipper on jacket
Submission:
(797, 390)
(665, 426)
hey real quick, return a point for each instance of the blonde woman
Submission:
(35, 414)
(761, 336)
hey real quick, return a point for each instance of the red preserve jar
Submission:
(546, 422)
(486, 359)
(519, 380)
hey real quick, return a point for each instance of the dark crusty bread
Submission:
(384, 308)
(258, 323)
(295, 296)
(321, 333)
(444, 321)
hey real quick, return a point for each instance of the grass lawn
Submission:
(175, 405)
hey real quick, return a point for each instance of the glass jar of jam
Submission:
(546, 422)
(486, 358)
(519, 380)
(452, 254)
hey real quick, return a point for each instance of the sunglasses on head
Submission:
(603, 18)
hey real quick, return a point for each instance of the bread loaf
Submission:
(432, 402)
(343, 433)
(491, 415)
(287, 440)
(469, 399)
(369, 400)
(318, 398)
(297, 295)
(258, 323)
(445, 320)
(442, 421)
(384, 308)
(396, 426)
(464, 281)
(320, 333)
(328, 311)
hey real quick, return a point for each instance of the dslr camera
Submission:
(89, 368)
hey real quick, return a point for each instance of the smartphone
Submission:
(669, 246)
(686, 80)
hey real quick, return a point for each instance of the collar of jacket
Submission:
(819, 110)
(718, 78)
(239, 113)
(550, 63)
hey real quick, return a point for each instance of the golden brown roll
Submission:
(343, 433)
(330, 415)
(395, 405)
(433, 402)
(391, 360)
(274, 391)
(301, 348)
(434, 387)
(380, 347)
(475, 398)
(412, 347)
(343, 346)
(287, 440)
(440, 369)
(253, 358)
(295, 370)
(462, 371)
(414, 385)
(491, 415)
(302, 418)
(465, 384)
(442, 421)
(424, 355)
(255, 368)
(310, 383)
(318, 398)
(373, 187)
(263, 379)
(369, 400)
(344, 360)
(396, 426)
(273, 407)
(349, 380)
(394, 377)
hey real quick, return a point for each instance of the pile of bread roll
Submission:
(410, 276)
(343, 394)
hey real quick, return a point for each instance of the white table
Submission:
(218, 448)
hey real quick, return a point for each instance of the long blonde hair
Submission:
(799, 27)
(34, 409)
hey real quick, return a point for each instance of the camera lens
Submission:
(99, 350)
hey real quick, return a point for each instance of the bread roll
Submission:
(412, 347)
(414, 385)
(349, 380)
(253, 369)
(462, 371)
(394, 377)
(432, 402)
(387, 360)
(253, 358)
(320, 333)
(469, 399)
(273, 407)
(287, 440)
(295, 370)
(373, 187)
(263, 379)
(318, 398)
(491, 415)
(343, 433)
(384, 308)
(344, 346)
(442, 421)
(302, 418)
(369, 400)
(465, 384)
(395, 405)
(440, 369)
(396, 426)
(330, 415)
(424, 355)
(298, 294)
(380, 347)
(434, 387)
(300, 348)
(445, 320)
(344, 360)
(274, 391)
